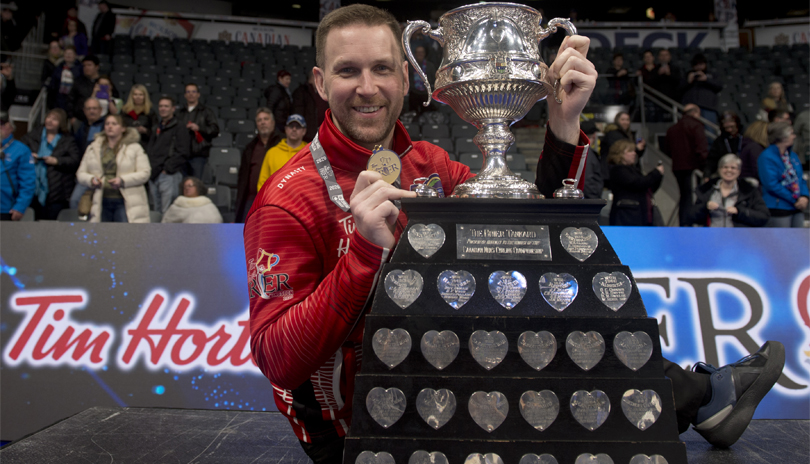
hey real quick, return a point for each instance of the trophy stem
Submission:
(496, 180)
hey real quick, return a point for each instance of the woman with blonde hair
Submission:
(117, 168)
(138, 112)
(632, 190)
(754, 141)
(774, 100)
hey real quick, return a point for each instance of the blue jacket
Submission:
(18, 165)
(771, 168)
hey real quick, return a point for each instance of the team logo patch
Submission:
(263, 282)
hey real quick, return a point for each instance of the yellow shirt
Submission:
(275, 159)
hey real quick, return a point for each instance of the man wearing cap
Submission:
(277, 156)
(279, 98)
(18, 179)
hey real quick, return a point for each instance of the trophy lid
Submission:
(489, 4)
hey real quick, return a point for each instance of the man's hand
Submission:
(16, 215)
(801, 204)
(374, 215)
(193, 126)
(577, 78)
(731, 210)
(141, 129)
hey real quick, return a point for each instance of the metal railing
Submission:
(39, 108)
(673, 108)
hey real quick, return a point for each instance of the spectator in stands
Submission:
(92, 125)
(618, 77)
(279, 98)
(62, 80)
(12, 33)
(649, 74)
(281, 153)
(75, 38)
(701, 88)
(201, 123)
(688, 148)
(103, 28)
(8, 88)
(168, 152)
(57, 158)
(252, 158)
(619, 130)
(593, 169)
(310, 105)
(754, 141)
(727, 201)
(778, 116)
(52, 60)
(632, 190)
(193, 207)
(802, 144)
(106, 94)
(116, 168)
(418, 94)
(774, 100)
(780, 174)
(668, 81)
(73, 15)
(18, 177)
(729, 141)
(82, 88)
(138, 112)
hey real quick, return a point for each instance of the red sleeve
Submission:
(304, 316)
(560, 160)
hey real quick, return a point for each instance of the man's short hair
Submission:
(197, 87)
(91, 99)
(167, 97)
(92, 58)
(778, 131)
(264, 109)
(69, 47)
(350, 15)
(773, 114)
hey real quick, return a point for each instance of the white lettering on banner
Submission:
(49, 337)
(290, 176)
(649, 38)
(252, 33)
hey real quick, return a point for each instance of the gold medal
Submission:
(386, 162)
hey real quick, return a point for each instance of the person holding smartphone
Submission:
(104, 93)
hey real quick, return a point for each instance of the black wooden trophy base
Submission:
(565, 438)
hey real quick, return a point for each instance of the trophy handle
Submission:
(542, 33)
(436, 35)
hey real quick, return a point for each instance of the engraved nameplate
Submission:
(498, 242)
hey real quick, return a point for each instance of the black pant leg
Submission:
(689, 389)
(325, 453)
(685, 203)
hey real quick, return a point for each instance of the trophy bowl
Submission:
(491, 75)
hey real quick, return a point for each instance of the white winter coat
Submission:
(193, 210)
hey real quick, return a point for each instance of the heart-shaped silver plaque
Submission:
(488, 410)
(488, 348)
(585, 349)
(426, 239)
(612, 289)
(403, 287)
(590, 409)
(532, 458)
(456, 287)
(559, 290)
(385, 406)
(423, 457)
(489, 458)
(540, 409)
(368, 457)
(391, 346)
(537, 348)
(633, 349)
(644, 459)
(440, 348)
(436, 407)
(507, 287)
(579, 243)
(587, 458)
(641, 408)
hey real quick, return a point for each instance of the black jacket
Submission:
(62, 176)
(309, 104)
(608, 140)
(701, 93)
(751, 208)
(632, 195)
(82, 90)
(104, 24)
(245, 193)
(279, 103)
(143, 119)
(722, 146)
(209, 129)
(168, 148)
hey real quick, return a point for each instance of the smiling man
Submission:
(313, 256)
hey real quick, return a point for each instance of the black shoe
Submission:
(737, 389)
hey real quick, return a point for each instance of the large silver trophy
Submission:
(491, 75)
